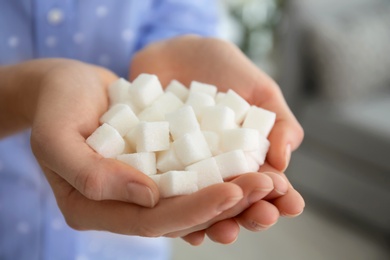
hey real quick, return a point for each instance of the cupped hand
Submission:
(220, 63)
(99, 193)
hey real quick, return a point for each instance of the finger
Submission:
(266, 167)
(196, 238)
(260, 216)
(291, 204)
(255, 187)
(169, 215)
(60, 144)
(281, 186)
(95, 177)
(224, 232)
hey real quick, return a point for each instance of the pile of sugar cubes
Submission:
(183, 138)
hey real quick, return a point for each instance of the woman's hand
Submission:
(62, 101)
(220, 63)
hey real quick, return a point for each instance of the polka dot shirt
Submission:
(102, 32)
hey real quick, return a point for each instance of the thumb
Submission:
(95, 177)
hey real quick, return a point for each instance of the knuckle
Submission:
(72, 223)
(89, 184)
(147, 231)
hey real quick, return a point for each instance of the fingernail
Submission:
(287, 156)
(260, 227)
(140, 194)
(227, 204)
(291, 215)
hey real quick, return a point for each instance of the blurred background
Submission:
(332, 61)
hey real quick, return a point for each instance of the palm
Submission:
(221, 64)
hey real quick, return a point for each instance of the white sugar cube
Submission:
(128, 148)
(213, 140)
(174, 183)
(131, 138)
(203, 88)
(191, 148)
(151, 114)
(217, 119)
(198, 101)
(219, 96)
(182, 121)
(118, 91)
(208, 172)
(253, 166)
(167, 103)
(121, 117)
(178, 89)
(144, 162)
(152, 136)
(239, 105)
(145, 89)
(168, 161)
(106, 141)
(260, 154)
(232, 164)
(245, 139)
(261, 119)
(156, 178)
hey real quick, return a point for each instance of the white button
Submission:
(127, 35)
(13, 41)
(51, 41)
(55, 16)
(23, 228)
(56, 224)
(104, 59)
(101, 11)
(78, 38)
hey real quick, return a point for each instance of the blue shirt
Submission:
(102, 32)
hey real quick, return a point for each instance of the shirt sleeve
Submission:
(170, 18)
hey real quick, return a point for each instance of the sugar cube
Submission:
(174, 183)
(121, 117)
(182, 121)
(217, 119)
(232, 163)
(213, 141)
(168, 161)
(198, 101)
(131, 138)
(203, 88)
(261, 119)
(191, 148)
(151, 114)
(208, 172)
(152, 136)
(178, 89)
(144, 162)
(156, 178)
(106, 141)
(167, 103)
(260, 154)
(219, 96)
(118, 91)
(239, 105)
(245, 139)
(253, 166)
(145, 89)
